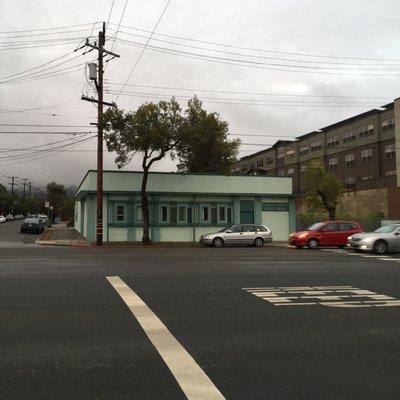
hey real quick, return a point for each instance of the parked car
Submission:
(32, 225)
(43, 218)
(331, 233)
(383, 240)
(18, 216)
(2, 219)
(9, 217)
(244, 234)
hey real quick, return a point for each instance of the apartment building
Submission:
(360, 151)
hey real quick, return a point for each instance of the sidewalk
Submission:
(61, 235)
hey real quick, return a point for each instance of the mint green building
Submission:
(184, 206)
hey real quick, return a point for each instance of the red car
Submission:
(330, 233)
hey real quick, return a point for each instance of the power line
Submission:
(354, 65)
(258, 65)
(263, 50)
(46, 125)
(249, 93)
(47, 29)
(143, 49)
(109, 14)
(45, 133)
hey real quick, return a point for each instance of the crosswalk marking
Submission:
(379, 257)
(191, 378)
(331, 296)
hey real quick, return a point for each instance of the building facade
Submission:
(183, 206)
(360, 151)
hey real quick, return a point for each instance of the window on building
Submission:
(229, 214)
(350, 181)
(317, 145)
(366, 155)
(269, 160)
(332, 142)
(139, 214)
(290, 153)
(281, 172)
(387, 124)
(205, 213)
(244, 168)
(260, 163)
(173, 217)
(120, 213)
(349, 137)
(349, 159)
(390, 173)
(281, 155)
(164, 213)
(290, 171)
(189, 215)
(366, 130)
(182, 214)
(390, 151)
(304, 150)
(333, 163)
(303, 168)
(367, 178)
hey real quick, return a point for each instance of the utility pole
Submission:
(24, 184)
(30, 189)
(13, 183)
(99, 86)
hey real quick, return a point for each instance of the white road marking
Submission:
(387, 259)
(331, 296)
(191, 378)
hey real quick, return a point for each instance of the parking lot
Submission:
(236, 323)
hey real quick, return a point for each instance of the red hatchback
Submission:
(331, 233)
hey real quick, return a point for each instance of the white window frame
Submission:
(202, 206)
(221, 221)
(290, 171)
(333, 163)
(160, 207)
(366, 155)
(123, 205)
(351, 180)
(136, 218)
(184, 220)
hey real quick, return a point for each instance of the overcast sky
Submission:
(281, 94)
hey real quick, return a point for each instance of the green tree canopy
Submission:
(152, 130)
(322, 189)
(204, 145)
(56, 194)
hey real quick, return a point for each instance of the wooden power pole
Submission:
(100, 103)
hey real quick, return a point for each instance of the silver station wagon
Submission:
(243, 234)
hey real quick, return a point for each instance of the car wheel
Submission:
(218, 242)
(380, 247)
(258, 242)
(313, 244)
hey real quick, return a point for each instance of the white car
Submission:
(2, 219)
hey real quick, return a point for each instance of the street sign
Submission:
(47, 204)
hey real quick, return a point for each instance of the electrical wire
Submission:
(263, 50)
(143, 49)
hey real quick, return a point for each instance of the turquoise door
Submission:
(247, 212)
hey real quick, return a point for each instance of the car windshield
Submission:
(386, 229)
(315, 227)
(31, 221)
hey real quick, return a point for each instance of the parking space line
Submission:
(191, 378)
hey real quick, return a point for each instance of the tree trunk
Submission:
(145, 209)
(332, 213)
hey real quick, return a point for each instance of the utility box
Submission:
(92, 71)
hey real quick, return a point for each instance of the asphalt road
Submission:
(9, 233)
(67, 334)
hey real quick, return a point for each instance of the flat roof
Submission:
(176, 182)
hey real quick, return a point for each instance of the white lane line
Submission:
(191, 378)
